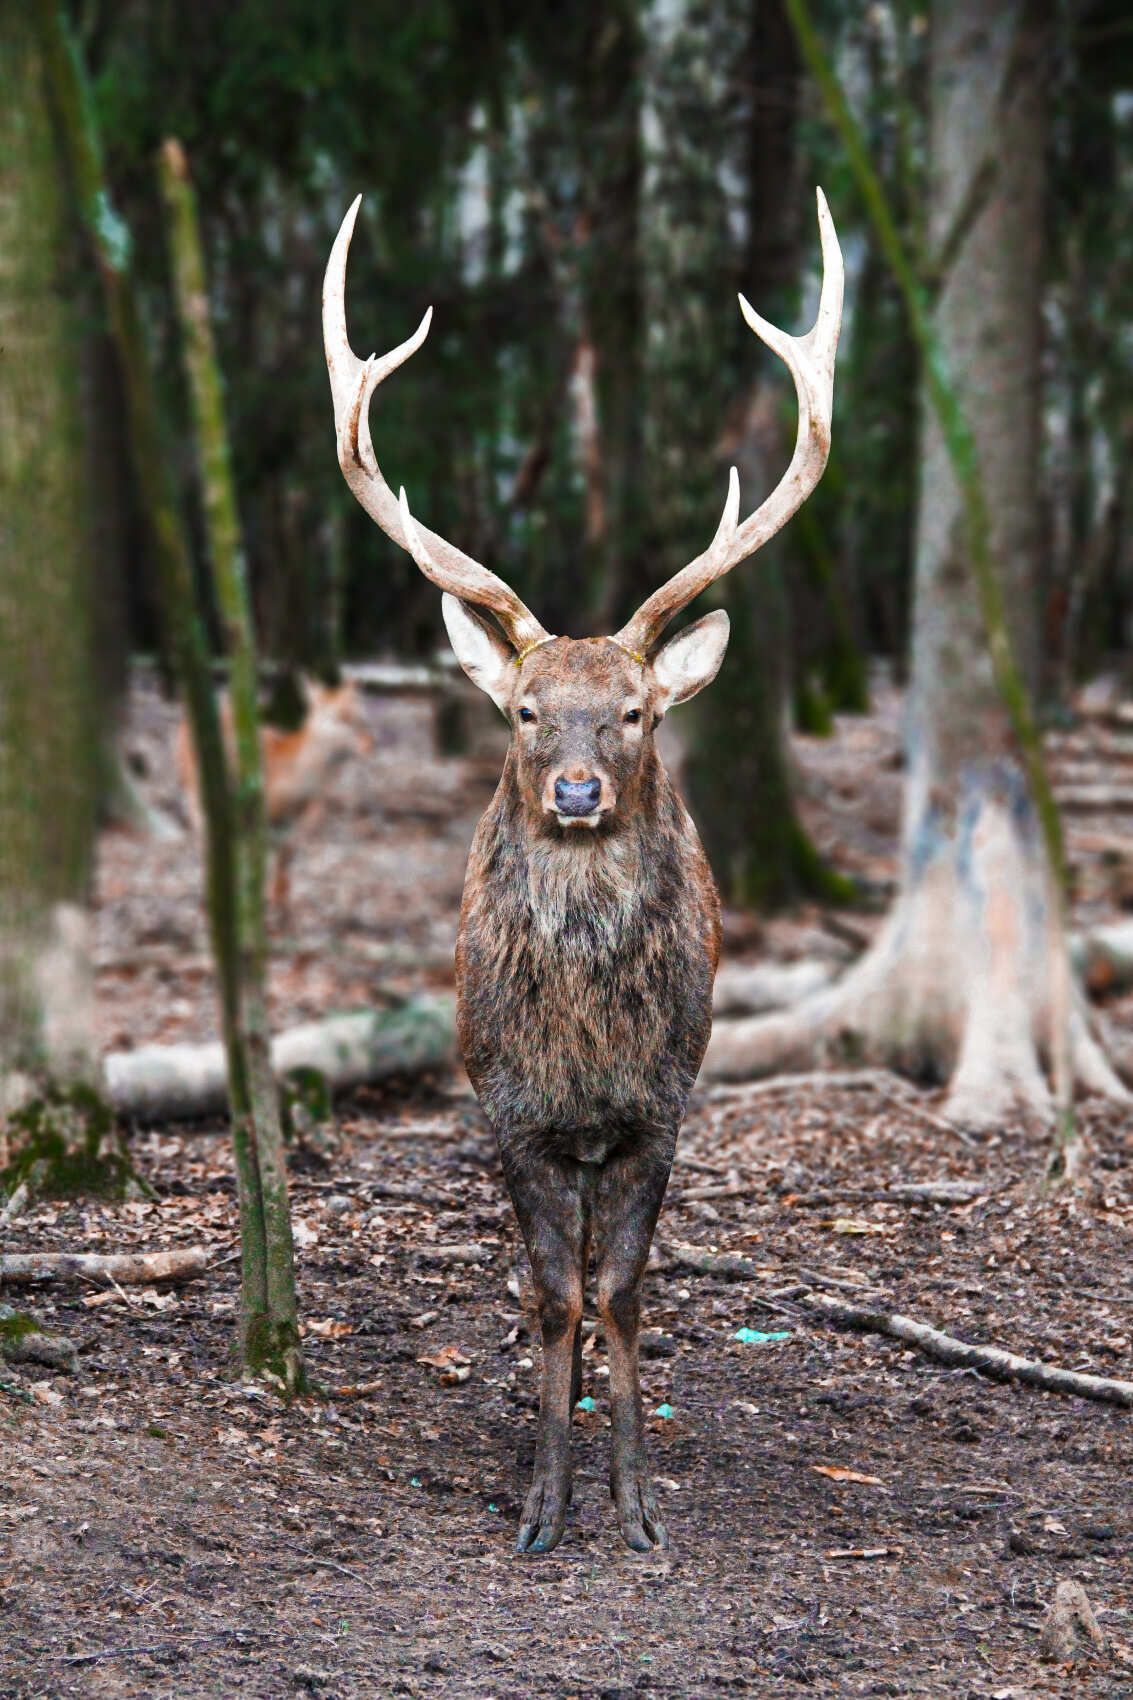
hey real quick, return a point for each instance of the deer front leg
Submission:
(548, 1203)
(626, 1209)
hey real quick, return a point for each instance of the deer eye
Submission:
(527, 715)
(632, 716)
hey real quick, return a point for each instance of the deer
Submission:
(298, 767)
(589, 929)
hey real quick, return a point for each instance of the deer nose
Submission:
(577, 796)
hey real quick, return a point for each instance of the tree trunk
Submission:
(270, 1342)
(969, 980)
(723, 106)
(48, 700)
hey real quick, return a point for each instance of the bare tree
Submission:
(970, 978)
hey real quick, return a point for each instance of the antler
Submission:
(811, 362)
(352, 383)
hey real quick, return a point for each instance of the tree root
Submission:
(968, 981)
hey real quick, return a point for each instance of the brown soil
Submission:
(166, 1531)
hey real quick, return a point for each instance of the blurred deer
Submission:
(590, 926)
(297, 768)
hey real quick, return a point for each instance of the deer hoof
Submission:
(638, 1517)
(544, 1518)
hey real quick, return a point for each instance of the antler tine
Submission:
(352, 385)
(810, 360)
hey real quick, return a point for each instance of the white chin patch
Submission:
(578, 820)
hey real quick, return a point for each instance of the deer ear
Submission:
(486, 657)
(691, 660)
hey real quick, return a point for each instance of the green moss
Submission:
(15, 1325)
(66, 1146)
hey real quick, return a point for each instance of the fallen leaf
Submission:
(445, 1357)
(451, 1363)
(328, 1328)
(837, 1474)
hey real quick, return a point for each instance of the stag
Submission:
(590, 925)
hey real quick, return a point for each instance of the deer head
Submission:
(583, 711)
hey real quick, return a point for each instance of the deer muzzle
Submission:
(577, 799)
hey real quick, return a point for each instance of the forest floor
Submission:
(847, 1517)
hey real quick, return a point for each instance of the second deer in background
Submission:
(298, 766)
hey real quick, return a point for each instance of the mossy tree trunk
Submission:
(969, 980)
(48, 697)
(111, 245)
(276, 1350)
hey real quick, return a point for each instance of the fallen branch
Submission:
(901, 1192)
(132, 1269)
(727, 1265)
(988, 1360)
(168, 1082)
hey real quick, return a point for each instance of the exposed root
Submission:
(967, 982)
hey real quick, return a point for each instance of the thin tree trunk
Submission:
(48, 700)
(277, 1350)
(970, 978)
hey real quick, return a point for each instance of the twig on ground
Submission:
(988, 1360)
(341, 1569)
(137, 1652)
(136, 1269)
(889, 1086)
(903, 1192)
(819, 1079)
(696, 1165)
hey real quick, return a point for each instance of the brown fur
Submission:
(296, 766)
(585, 963)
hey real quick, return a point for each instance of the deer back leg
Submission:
(627, 1204)
(549, 1202)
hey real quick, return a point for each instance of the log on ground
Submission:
(168, 1082)
(130, 1269)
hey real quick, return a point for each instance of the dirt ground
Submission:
(167, 1531)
